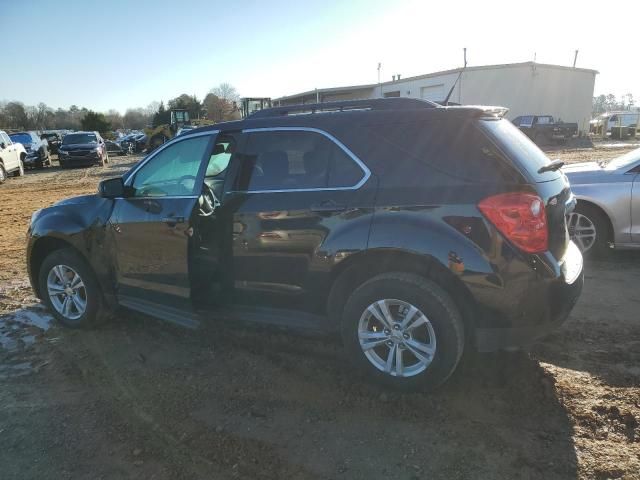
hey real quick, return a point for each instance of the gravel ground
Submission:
(141, 399)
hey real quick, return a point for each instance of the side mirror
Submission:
(111, 188)
(2, 145)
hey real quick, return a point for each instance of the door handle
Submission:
(328, 206)
(173, 221)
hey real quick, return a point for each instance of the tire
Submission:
(20, 171)
(581, 221)
(540, 139)
(3, 174)
(443, 328)
(63, 164)
(65, 264)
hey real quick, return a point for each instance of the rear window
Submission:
(519, 148)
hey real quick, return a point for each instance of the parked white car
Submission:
(12, 157)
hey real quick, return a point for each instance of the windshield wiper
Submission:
(552, 167)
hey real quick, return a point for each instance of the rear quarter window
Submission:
(440, 152)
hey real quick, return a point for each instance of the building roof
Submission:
(328, 90)
(434, 74)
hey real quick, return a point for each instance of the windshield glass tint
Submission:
(20, 138)
(624, 160)
(79, 138)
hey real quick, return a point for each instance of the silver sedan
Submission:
(607, 214)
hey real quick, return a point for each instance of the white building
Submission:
(527, 88)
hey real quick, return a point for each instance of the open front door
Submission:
(152, 229)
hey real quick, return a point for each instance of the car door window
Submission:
(5, 139)
(220, 156)
(173, 170)
(295, 160)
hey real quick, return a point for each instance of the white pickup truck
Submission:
(12, 157)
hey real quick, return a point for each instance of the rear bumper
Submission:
(556, 298)
(83, 160)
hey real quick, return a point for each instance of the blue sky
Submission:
(120, 54)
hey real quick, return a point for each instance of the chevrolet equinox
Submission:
(415, 231)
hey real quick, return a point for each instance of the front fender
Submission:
(79, 223)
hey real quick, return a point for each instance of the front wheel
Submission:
(403, 331)
(70, 289)
(3, 174)
(588, 229)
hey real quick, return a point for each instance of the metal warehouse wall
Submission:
(529, 88)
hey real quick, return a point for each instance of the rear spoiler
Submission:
(480, 110)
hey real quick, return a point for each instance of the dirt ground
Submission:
(140, 399)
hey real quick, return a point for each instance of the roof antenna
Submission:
(575, 59)
(446, 100)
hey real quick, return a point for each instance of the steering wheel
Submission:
(207, 202)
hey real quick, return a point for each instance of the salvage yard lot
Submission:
(140, 399)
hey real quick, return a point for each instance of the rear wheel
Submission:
(403, 331)
(70, 289)
(588, 228)
(540, 139)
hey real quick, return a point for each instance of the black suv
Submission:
(82, 148)
(37, 149)
(414, 230)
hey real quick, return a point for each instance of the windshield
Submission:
(20, 138)
(79, 138)
(624, 160)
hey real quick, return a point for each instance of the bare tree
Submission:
(114, 117)
(226, 92)
(221, 103)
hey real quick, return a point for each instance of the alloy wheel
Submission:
(582, 231)
(67, 292)
(397, 338)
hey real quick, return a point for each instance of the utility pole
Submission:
(379, 67)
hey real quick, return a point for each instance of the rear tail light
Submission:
(520, 217)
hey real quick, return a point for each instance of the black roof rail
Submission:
(346, 105)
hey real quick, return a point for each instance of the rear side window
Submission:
(443, 153)
(295, 160)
